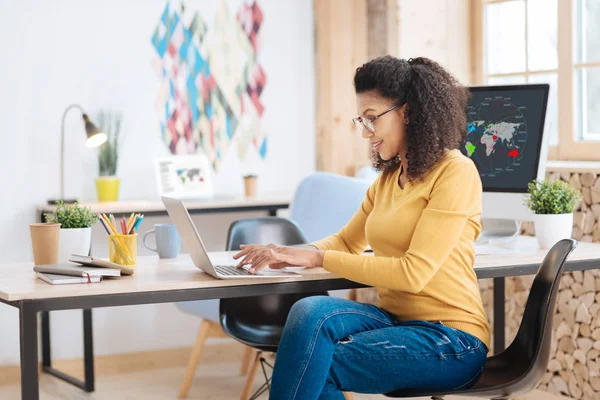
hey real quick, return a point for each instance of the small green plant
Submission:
(108, 157)
(71, 216)
(551, 198)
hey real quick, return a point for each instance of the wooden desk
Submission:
(267, 202)
(163, 281)
(270, 203)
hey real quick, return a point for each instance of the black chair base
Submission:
(267, 385)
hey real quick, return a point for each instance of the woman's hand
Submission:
(277, 257)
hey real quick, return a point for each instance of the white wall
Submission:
(99, 54)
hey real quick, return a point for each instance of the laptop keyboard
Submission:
(230, 270)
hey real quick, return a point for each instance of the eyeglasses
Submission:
(360, 122)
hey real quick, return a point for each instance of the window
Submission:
(555, 42)
(587, 67)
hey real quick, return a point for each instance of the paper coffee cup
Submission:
(250, 183)
(44, 242)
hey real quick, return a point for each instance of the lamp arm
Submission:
(62, 148)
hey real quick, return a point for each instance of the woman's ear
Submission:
(404, 113)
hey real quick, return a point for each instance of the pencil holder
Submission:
(122, 249)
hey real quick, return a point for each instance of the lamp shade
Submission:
(95, 138)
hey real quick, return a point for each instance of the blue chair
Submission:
(325, 202)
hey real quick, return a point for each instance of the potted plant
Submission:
(552, 204)
(75, 229)
(107, 184)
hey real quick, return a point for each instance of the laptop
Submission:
(220, 268)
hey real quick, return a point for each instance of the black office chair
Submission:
(258, 321)
(519, 368)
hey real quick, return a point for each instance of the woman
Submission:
(421, 218)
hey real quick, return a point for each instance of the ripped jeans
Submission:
(330, 345)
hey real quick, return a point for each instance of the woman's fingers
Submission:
(259, 260)
(243, 252)
(263, 262)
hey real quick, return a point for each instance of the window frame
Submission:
(569, 147)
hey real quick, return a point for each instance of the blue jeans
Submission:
(330, 345)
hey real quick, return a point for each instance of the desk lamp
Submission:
(95, 138)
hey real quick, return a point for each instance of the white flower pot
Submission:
(551, 228)
(74, 241)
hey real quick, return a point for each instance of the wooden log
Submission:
(570, 361)
(560, 384)
(588, 391)
(595, 194)
(565, 295)
(574, 389)
(579, 355)
(575, 182)
(563, 330)
(588, 299)
(586, 196)
(584, 344)
(578, 276)
(579, 219)
(592, 355)
(589, 283)
(595, 382)
(587, 179)
(565, 282)
(583, 315)
(596, 233)
(596, 210)
(546, 378)
(593, 368)
(577, 288)
(567, 345)
(554, 366)
(589, 222)
(584, 330)
(581, 370)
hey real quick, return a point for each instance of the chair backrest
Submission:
(530, 350)
(265, 311)
(263, 231)
(325, 202)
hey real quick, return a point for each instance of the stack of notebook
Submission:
(84, 269)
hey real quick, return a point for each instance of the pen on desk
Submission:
(129, 221)
(108, 224)
(137, 225)
(103, 223)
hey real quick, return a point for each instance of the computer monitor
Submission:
(506, 141)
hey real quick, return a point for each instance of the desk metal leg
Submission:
(273, 213)
(46, 357)
(29, 352)
(499, 315)
(88, 353)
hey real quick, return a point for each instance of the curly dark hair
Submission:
(436, 108)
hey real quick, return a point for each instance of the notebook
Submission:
(54, 279)
(100, 263)
(76, 270)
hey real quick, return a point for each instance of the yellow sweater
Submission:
(423, 239)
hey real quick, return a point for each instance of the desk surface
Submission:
(18, 281)
(152, 206)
